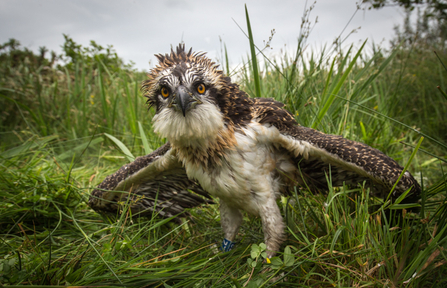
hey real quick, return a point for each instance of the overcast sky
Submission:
(138, 29)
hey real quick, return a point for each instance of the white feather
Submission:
(199, 126)
(246, 179)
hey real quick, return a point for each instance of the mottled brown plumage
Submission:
(244, 151)
(166, 195)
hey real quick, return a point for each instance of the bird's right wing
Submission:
(156, 183)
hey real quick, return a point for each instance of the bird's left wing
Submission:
(321, 157)
(156, 183)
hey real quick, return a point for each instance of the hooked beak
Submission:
(184, 100)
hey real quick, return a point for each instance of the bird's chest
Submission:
(240, 176)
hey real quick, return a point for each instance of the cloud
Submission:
(139, 29)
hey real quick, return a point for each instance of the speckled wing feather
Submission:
(320, 156)
(149, 184)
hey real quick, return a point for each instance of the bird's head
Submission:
(185, 89)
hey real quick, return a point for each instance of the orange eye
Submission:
(164, 92)
(201, 88)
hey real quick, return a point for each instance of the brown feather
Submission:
(167, 194)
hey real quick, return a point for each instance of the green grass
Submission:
(65, 128)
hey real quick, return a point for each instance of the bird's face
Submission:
(184, 88)
(181, 88)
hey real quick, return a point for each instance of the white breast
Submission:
(248, 176)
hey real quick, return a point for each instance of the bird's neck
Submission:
(209, 152)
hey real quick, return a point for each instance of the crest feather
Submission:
(169, 61)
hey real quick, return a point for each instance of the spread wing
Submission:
(156, 183)
(320, 156)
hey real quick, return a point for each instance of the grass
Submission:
(65, 128)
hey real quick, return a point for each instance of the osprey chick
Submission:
(244, 151)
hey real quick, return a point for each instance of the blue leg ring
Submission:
(227, 245)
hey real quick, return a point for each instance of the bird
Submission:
(241, 150)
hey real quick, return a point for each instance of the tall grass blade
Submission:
(146, 146)
(376, 73)
(79, 148)
(442, 92)
(132, 113)
(334, 92)
(227, 61)
(440, 60)
(27, 146)
(254, 60)
(405, 168)
(122, 147)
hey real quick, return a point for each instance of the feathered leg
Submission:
(230, 220)
(272, 225)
